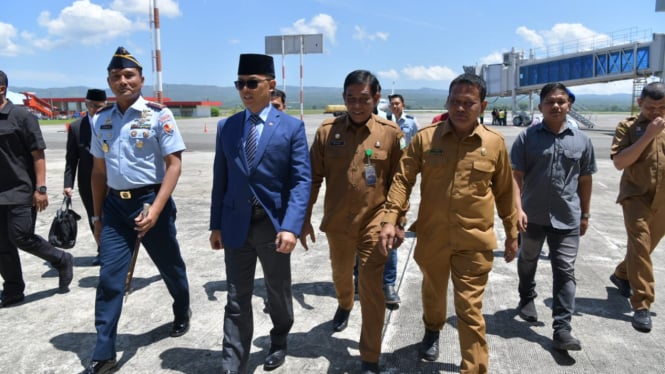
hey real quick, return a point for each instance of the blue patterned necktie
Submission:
(252, 139)
(250, 147)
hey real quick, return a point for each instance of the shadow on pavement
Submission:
(127, 344)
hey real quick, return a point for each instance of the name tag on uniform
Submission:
(107, 125)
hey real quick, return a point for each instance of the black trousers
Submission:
(240, 271)
(85, 191)
(17, 230)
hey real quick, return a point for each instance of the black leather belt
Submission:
(136, 192)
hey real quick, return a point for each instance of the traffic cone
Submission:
(205, 127)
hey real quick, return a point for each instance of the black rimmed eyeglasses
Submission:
(250, 83)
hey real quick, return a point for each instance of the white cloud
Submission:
(382, 35)
(492, 58)
(319, 24)
(7, 45)
(85, 23)
(361, 34)
(391, 74)
(563, 38)
(167, 8)
(609, 88)
(531, 36)
(436, 73)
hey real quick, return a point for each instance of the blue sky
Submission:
(408, 44)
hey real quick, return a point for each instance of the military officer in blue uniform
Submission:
(137, 159)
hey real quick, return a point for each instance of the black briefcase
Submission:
(64, 226)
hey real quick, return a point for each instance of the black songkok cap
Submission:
(122, 59)
(256, 64)
(95, 94)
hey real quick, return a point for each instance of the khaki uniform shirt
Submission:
(644, 178)
(338, 154)
(462, 180)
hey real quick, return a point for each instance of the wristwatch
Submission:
(41, 189)
(94, 219)
(586, 215)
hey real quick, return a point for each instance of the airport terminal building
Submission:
(73, 107)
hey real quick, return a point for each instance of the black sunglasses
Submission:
(250, 83)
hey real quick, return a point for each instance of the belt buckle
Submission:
(125, 195)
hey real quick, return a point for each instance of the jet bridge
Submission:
(594, 64)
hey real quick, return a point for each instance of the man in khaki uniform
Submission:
(465, 172)
(637, 149)
(357, 154)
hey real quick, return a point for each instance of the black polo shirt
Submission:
(19, 136)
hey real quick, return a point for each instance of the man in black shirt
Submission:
(22, 195)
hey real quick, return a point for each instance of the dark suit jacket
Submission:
(281, 179)
(78, 154)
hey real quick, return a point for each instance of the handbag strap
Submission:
(66, 204)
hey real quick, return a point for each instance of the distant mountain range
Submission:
(319, 97)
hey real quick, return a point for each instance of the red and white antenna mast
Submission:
(158, 49)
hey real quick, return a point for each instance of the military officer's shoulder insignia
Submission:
(105, 108)
(155, 106)
(408, 116)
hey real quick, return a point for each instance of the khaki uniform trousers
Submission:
(343, 251)
(469, 270)
(644, 227)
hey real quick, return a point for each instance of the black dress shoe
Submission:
(642, 320)
(429, 346)
(527, 310)
(391, 295)
(101, 367)
(565, 341)
(369, 368)
(65, 272)
(8, 301)
(275, 359)
(181, 325)
(341, 319)
(623, 285)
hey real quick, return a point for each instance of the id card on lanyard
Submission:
(370, 171)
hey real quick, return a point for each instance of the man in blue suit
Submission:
(261, 186)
